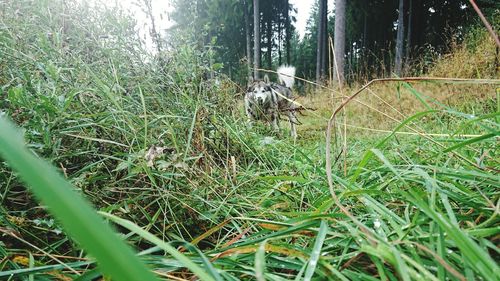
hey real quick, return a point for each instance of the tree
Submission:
(324, 51)
(409, 30)
(218, 26)
(222, 27)
(339, 40)
(322, 35)
(288, 31)
(399, 40)
(367, 42)
(256, 38)
(268, 19)
(248, 37)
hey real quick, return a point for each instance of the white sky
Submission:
(303, 12)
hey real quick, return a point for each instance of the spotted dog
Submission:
(265, 100)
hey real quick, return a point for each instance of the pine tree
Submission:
(339, 39)
(399, 40)
(256, 37)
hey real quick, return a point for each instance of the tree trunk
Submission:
(288, 31)
(324, 50)
(399, 40)
(365, 29)
(409, 30)
(418, 25)
(280, 42)
(364, 51)
(320, 47)
(269, 42)
(248, 37)
(339, 40)
(280, 30)
(256, 37)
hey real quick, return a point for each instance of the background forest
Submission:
(428, 30)
(124, 159)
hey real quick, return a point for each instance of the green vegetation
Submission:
(432, 29)
(417, 186)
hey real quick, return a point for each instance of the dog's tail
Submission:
(286, 75)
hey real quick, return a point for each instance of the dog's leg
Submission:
(249, 121)
(292, 118)
(275, 120)
(249, 113)
(274, 112)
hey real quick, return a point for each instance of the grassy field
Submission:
(149, 167)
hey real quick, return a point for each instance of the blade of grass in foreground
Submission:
(167, 248)
(318, 245)
(260, 262)
(79, 220)
(476, 256)
(471, 141)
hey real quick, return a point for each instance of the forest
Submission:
(374, 34)
(128, 151)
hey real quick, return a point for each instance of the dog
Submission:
(265, 100)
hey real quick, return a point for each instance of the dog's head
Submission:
(259, 91)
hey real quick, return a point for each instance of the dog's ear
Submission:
(266, 79)
(250, 80)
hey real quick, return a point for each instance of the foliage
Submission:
(478, 50)
(220, 25)
(431, 29)
(78, 218)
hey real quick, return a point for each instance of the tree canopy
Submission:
(371, 33)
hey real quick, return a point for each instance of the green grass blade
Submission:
(477, 257)
(318, 245)
(161, 244)
(75, 214)
(89, 275)
(471, 141)
(44, 268)
(260, 262)
(368, 155)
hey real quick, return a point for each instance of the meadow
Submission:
(116, 164)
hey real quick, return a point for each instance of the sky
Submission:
(303, 12)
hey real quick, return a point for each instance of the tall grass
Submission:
(74, 213)
(221, 201)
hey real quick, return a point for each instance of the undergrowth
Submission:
(163, 152)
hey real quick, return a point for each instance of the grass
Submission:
(478, 51)
(223, 202)
(114, 257)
